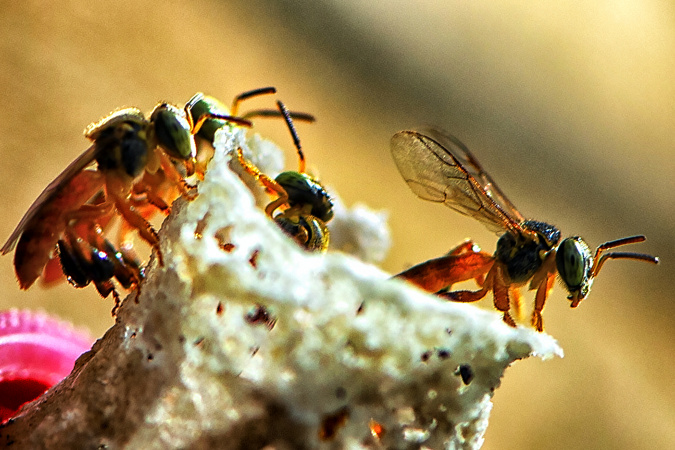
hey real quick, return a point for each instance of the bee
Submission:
(136, 166)
(216, 113)
(439, 168)
(302, 206)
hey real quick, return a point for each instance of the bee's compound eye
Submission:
(204, 105)
(573, 261)
(173, 132)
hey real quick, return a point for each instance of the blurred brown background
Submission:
(571, 107)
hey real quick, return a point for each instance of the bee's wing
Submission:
(48, 194)
(439, 168)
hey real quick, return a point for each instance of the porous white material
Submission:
(360, 231)
(244, 340)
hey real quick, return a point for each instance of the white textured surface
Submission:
(360, 231)
(183, 368)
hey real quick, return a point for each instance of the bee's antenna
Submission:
(294, 134)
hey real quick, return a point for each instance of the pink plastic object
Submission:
(36, 352)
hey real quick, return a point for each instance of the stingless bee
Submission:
(302, 206)
(216, 114)
(136, 166)
(439, 168)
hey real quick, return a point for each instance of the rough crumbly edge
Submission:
(186, 366)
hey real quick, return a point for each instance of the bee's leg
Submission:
(125, 266)
(86, 214)
(464, 296)
(517, 302)
(272, 186)
(172, 174)
(205, 152)
(543, 282)
(69, 250)
(470, 296)
(145, 194)
(87, 223)
(84, 261)
(441, 273)
(542, 293)
(501, 293)
(136, 220)
(131, 215)
(73, 263)
(158, 202)
(131, 265)
(125, 238)
(91, 218)
(105, 288)
(118, 303)
(467, 246)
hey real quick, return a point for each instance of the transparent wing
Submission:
(439, 168)
(49, 192)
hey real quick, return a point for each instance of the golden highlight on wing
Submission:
(439, 168)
